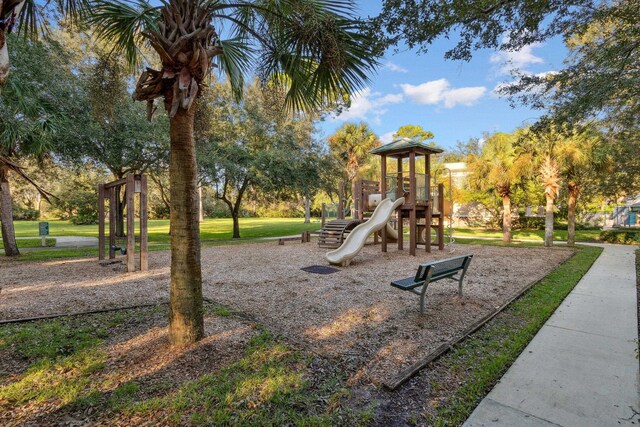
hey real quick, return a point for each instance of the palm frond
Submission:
(124, 24)
(32, 18)
(235, 60)
(312, 47)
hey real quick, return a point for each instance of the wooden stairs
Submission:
(334, 232)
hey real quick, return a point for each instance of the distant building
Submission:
(459, 173)
(628, 214)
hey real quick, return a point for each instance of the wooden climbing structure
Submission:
(133, 184)
(424, 205)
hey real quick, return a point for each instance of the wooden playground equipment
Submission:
(133, 184)
(424, 207)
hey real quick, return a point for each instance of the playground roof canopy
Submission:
(401, 147)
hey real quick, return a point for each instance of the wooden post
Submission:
(399, 181)
(383, 191)
(323, 215)
(400, 193)
(131, 222)
(340, 213)
(357, 190)
(112, 222)
(144, 216)
(441, 220)
(400, 229)
(412, 200)
(101, 239)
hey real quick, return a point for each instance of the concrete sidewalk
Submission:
(581, 368)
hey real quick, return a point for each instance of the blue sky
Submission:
(455, 100)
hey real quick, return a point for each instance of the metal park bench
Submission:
(451, 268)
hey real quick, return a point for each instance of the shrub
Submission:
(625, 237)
(25, 214)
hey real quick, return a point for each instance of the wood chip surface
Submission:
(353, 317)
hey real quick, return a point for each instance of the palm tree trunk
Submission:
(506, 218)
(571, 214)
(6, 214)
(186, 324)
(548, 222)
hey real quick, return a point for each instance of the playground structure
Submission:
(423, 205)
(133, 184)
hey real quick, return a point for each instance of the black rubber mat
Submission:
(320, 269)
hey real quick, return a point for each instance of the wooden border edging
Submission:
(79, 313)
(409, 372)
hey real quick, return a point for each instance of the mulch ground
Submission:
(353, 317)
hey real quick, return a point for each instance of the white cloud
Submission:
(392, 98)
(395, 67)
(386, 138)
(516, 60)
(364, 102)
(463, 96)
(440, 92)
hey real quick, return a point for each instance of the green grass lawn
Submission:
(210, 229)
(35, 242)
(252, 228)
(581, 235)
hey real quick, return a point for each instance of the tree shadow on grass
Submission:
(239, 374)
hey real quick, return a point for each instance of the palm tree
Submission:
(351, 145)
(580, 156)
(311, 46)
(499, 167)
(568, 153)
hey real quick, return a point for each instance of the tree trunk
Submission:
(186, 322)
(236, 223)
(6, 214)
(39, 204)
(571, 214)
(307, 209)
(548, 222)
(200, 206)
(506, 218)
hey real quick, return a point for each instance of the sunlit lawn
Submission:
(210, 229)
(251, 228)
(581, 235)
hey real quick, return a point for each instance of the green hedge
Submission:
(625, 237)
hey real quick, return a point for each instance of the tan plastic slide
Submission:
(357, 238)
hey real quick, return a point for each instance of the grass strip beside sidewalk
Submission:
(480, 361)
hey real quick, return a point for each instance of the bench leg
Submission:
(423, 294)
(464, 271)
